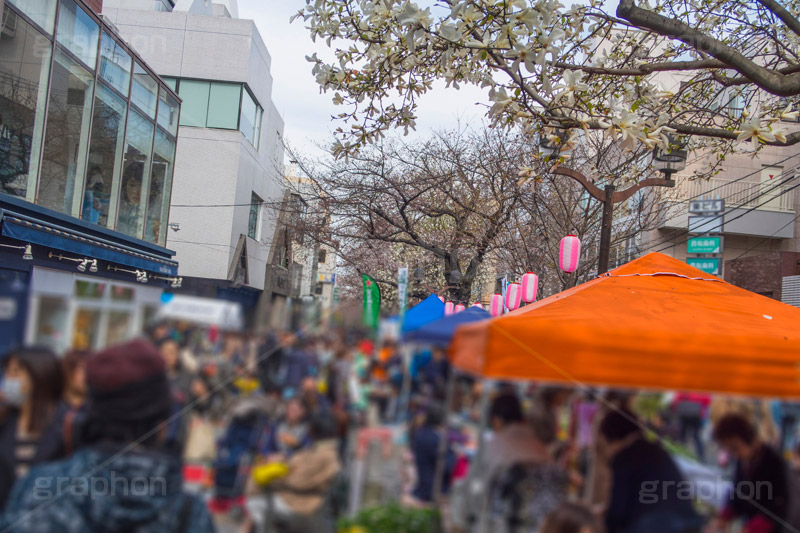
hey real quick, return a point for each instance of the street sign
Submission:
(706, 224)
(704, 245)
(702, 207)
(710, 265)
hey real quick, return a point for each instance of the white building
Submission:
(228, 168)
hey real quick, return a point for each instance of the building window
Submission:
(223, 105)
(250, 123)
(78, 32)
(255, 211)
(115, 64)
(67, 136)
(194, 109)
(160, 189)
(42, 12)
(105, 157)
(323, 256)
(168, 110)
(135, 174)
(23, 89)
(144, 91)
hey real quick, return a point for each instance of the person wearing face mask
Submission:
(31, 417)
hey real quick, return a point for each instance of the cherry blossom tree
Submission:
(479, 202)
(713, 73)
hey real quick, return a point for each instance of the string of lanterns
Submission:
(525, 291)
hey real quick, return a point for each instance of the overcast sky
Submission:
(306, 112)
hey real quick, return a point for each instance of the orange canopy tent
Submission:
(655, 323)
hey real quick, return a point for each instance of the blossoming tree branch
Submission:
(718, 74)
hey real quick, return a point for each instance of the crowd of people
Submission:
(175, 431)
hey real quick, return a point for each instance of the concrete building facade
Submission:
(228, 172)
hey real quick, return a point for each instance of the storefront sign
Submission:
(704, 207)
(705, 245)
(709, 265)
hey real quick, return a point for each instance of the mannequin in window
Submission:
(130, 199)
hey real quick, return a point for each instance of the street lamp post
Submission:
(668, 162)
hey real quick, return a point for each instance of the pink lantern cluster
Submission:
(569, 253)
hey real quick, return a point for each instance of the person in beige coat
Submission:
(297, 501)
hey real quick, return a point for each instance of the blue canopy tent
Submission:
(428, 310)
(439, 332)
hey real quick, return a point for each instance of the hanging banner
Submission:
(372, 302)
(503, 288)
(402, 291)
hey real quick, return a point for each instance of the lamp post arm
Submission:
(592, 189)
(621, 196)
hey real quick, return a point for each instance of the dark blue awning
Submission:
(60, 238)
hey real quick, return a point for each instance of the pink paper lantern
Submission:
(441, 298)
(513, 296)
(530, 286)
(448, 308)
(459, 308)
(478, 304)
(569, 253)
(496, 309)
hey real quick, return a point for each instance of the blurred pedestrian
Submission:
(76, 391)
(760, 495)
(571, 518)
(646, 484)
(514, 439)
(298, 499)
(313, 400)
(691, 409)
(32, 414)
(425, 447)
(121, 480)
(291, 433)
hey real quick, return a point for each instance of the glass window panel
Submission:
(135, 174)
(223, 105)
(78, 32)
(105, 157)
(42, 12)
(68, 118)
(121, 294)
(168, 112)
(255, 211)
(160, 189)
(87, 329)
(115, 64)
(51, 325)
(194, 108)
(24, 69)
(257, 134)
(248, 120)
(89, 290)
(144, 92)
(119, 325)
(172, 83)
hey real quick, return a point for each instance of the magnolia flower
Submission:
(788, 114)
(572, 83)
(755, 131)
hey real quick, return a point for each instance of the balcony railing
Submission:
(745, 194)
